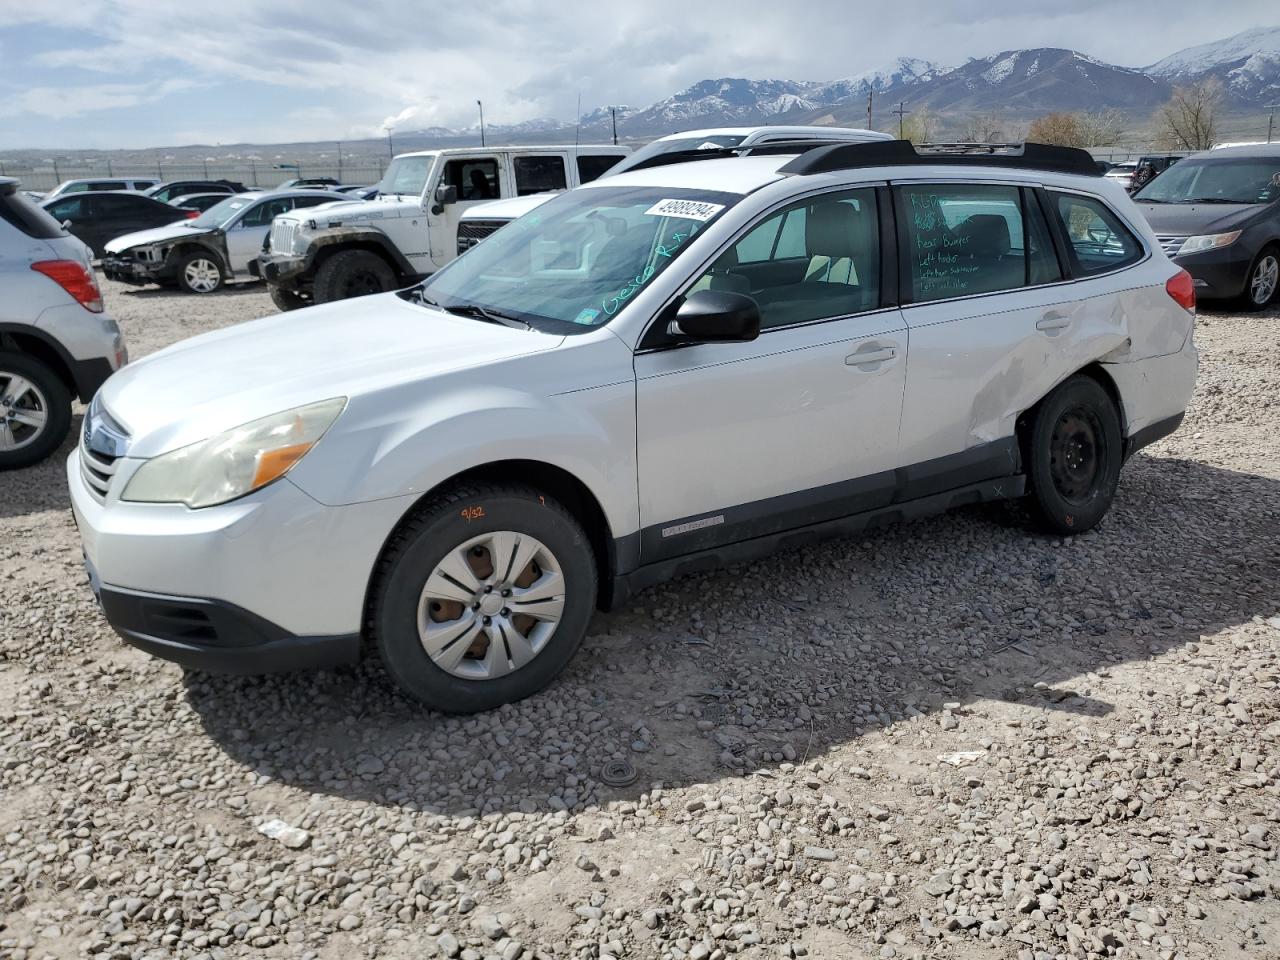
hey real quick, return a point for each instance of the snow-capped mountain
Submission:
(1248, 64)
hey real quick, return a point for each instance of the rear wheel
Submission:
(199, 273)
(287, 300)
(1264, 279)
(35, 411)
(352, 273)
(1075, 456)
(482, 597)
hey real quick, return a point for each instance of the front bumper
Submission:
(128, 270)
(272, 581)
(1218, 274)
(280, 270)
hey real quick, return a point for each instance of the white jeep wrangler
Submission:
(408, 231)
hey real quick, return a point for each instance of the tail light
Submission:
(1182, 289)
(75, 278)
(191, 214)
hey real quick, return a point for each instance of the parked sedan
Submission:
(89, 184)
(1218, 215)
(181, 188)
(199, 202)
(99, 217)
(202, 254)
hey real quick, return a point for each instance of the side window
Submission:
(1098, 240)
(539, 175)
(962, 239)
(814, 260)
(77, 188)
(264, 213)
(69, 209)
(476, 179)
(594, 166)
(121, 206)
(107, 185)
(310, 201)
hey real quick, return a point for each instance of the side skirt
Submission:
(623, 587)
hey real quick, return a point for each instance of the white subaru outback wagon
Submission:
(660, 372)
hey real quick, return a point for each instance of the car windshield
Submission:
(577, 260)
(220, 213)
(1246, 180)
(406, 175)
(659, 147)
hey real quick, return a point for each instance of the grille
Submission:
(1169, 243)
(102, 444)
(282, 235)
(471, 232)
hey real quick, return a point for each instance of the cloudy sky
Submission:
(132, 73)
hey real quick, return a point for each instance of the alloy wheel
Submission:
(24, 411)
(491, 605)
(202, 275)
(1266, 276)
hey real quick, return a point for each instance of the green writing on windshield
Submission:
(666, 250)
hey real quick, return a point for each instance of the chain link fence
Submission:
(46, 176)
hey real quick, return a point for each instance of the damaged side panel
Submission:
(159, 260)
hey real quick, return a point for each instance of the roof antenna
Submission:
(578, 129)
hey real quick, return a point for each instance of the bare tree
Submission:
(984, 128)
(1059, 129)
(920, 126)
(1101, 128)
(1189, 120)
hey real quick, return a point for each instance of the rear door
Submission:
(993, 323)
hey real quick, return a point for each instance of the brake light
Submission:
(1182, 289)
(192, 214)
(75, 278)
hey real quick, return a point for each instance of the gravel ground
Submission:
(951, 738)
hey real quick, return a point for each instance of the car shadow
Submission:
(741, 670)
(42, 486)
(153, 292)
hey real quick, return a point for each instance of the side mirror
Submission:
(66, 224)
(446, 194)
(716, 316)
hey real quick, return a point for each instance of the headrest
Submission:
(831, 230)
(988, 234)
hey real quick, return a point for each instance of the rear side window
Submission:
(961, 239)
(539, 174)
(107, 185)
(595, 166)
(27, 218)
(1097, 240)
(476, 179)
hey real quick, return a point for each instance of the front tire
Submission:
(1264, 279)
(482, 597)
(1075, 452)
(35, 411)
(352, 273)
(287, 300)
(199, 273)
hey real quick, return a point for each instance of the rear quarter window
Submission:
(29, 219)
(1097, 241)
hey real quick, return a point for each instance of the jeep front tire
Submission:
(352, 273)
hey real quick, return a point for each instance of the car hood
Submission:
(508, 209)
(347, 212)
(211, 383)
(173, 231)
(1191, 219)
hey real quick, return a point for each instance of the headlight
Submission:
(234, 463)
(1210, 241)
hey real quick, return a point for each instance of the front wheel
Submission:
(482, 597)
(1075, 452)
(352, 273)
(1264, 279)
(35, 411)
(287, 300)
(199, 273)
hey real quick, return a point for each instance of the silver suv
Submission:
(655, 373)
(56, 342)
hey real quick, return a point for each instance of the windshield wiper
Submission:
(487, 313)
(1211, 200)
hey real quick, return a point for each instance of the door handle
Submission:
(1053, 323)
(867, 357)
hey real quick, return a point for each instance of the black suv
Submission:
(1217, 214)
(180, 188)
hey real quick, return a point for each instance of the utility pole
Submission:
(1271, 120)
(339, 159)
(870, 93)
(481, 106)
(613, 113)
(391, 150)
(901, 112)
(577, 128)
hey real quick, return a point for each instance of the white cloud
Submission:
(66, 102)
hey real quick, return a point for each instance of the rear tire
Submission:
(35, 411)
(287, 300)
(1075, 453)
(352, 273)
(200, 272)
(482, 597)
(1263, 279)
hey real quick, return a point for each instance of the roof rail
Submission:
(895, 153)
(720, 153)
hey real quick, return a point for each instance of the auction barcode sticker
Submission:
(685, 209)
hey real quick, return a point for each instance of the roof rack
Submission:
(720, 153)
(895, 153)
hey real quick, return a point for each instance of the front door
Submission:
(245, 236)
(478, 179)
(798, 426)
